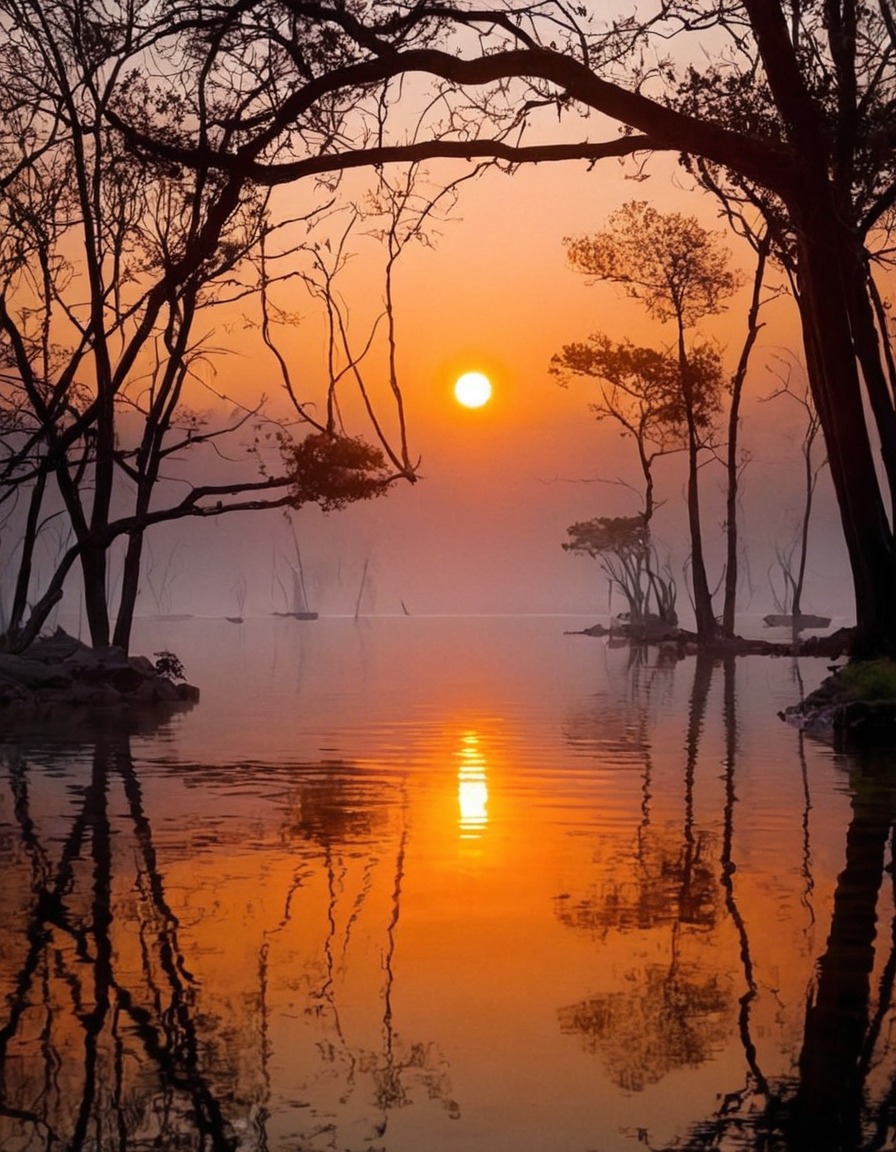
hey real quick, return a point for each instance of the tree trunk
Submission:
(96, 606)
(836, 391)
(26, 563)
(130, 586)
(732, 464)
(703, 610)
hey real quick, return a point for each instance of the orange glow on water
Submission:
(472, 787)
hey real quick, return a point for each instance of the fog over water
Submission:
(482, 531)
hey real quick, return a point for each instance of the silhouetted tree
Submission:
(790, 107)
(623, 546)
(792, 560)
(678, 271)
(110, 263)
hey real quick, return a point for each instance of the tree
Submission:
(638, 390)
(794, 581)
(679, 272)
(110, 264)
(793, 112)
(623, 546)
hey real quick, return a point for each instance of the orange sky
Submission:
(483, 531)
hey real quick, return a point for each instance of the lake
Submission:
(426, 884)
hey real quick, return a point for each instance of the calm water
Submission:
(448, 884)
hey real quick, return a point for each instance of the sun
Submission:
(473, 389)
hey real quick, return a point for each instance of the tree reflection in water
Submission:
(102, 1046)
(111, 1039)
(841, 1093)
(335, 814)
(672, 1014)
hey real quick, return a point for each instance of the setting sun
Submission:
(473, 389)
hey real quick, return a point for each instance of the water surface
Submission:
(437, 884)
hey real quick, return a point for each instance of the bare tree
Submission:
(793, 558)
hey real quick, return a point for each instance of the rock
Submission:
(865, 722)
(835, 713)
(60, 681)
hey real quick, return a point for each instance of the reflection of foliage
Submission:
(673, 884)
(335, 812)
(335, 808)
(114, 1034)
(670, 1019)
(420, 1063)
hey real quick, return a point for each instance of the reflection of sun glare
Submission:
(472, 789)
(473, 389)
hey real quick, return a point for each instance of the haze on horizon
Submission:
(481, 532)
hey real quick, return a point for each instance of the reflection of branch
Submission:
(696, 714)
(168, 1032)
(828, 1103)
(48, 906)
(93, 1022)
(728, 869)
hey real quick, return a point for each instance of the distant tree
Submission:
(638, 390)
(793, 558)
(680, 273)
(622, 545)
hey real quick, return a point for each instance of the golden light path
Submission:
(472, 788)
(473, 389)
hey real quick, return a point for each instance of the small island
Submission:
(58, 681)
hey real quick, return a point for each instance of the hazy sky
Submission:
(482, 531)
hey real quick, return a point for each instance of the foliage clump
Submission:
(869, 680)
(169, 665)
(334, 471)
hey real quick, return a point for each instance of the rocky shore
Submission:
(835, 712)
(60, 682)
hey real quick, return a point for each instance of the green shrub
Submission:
(169, 665)
(870, 680)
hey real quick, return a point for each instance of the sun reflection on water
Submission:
(472, 788)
